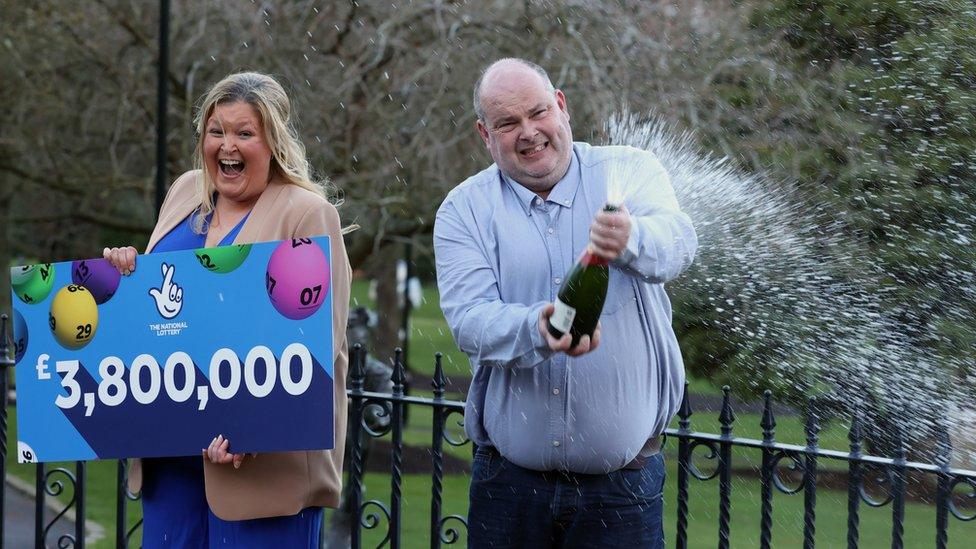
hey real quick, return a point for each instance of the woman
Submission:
(252, 183)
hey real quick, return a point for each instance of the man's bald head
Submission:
(524, 123)
(507, 66)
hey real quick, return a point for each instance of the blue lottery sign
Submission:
(235, 340)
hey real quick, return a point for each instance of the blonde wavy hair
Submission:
(289, 161)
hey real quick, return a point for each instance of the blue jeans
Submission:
(516, 507)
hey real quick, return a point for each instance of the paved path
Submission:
(18, 528)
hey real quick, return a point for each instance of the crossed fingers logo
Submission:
(169, 296)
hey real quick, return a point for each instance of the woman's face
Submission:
(235, 152)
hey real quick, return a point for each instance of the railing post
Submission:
(810, 477)
(39, 495)
(121, 500)
(769, 440)
(684, 461)
(942, 499)
(80, 469)
(5, 362)
(898, 490)
(396, 475)
(357, 377)
(725, 418)
(437, 453)
(854, 481)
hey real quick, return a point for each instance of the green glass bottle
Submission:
(580, 301)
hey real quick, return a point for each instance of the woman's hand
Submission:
(123, 259)
(217, 452)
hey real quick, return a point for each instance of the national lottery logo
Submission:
(169, 295)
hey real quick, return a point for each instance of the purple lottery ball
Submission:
(98, 276)
(20, 336)
(297, 279)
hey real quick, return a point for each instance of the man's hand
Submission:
(217, 452)
(609, 233)
(562, 345)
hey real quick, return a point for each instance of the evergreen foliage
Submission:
(866, 110)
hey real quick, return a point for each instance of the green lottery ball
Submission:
(223, 259)
(37, 287)
(73, 318)
(19, 275)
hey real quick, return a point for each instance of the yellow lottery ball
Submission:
(73, 317)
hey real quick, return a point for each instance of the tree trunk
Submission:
(386, 336)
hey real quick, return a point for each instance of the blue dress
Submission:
(174, 500)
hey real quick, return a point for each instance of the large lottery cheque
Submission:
(234, 340)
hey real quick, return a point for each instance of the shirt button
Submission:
(555, 443)
(555, 391)
(557, 280)
(551, 230)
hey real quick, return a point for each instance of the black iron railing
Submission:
(393, 404)
(955, 489)
(891, 473)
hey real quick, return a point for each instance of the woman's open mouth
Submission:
(230, 168)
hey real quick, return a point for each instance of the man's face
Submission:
(526, 127)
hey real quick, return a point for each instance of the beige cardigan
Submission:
(276, 484)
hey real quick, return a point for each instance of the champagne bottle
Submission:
(580, 301)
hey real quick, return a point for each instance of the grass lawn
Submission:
(831, 514)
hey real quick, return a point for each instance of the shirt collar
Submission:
(562, 194)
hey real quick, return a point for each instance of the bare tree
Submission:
(382, 91)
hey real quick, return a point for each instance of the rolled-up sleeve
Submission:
(490, 331)
(662, 240)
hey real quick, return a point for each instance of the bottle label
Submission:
(562, 317)
(590, 259)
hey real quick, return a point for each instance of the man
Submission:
(567, 439)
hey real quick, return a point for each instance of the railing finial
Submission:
(812, 427)
(768, 422)
(943, 444)
(399, 372)
(901, 452)
(855, 435)
(726, 417)
(3, 336)
(684, 411)
(357, 375)
(439, 382)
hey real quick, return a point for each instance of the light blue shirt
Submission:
(501, 254)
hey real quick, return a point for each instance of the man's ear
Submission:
(483, 132)
(561, 102)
